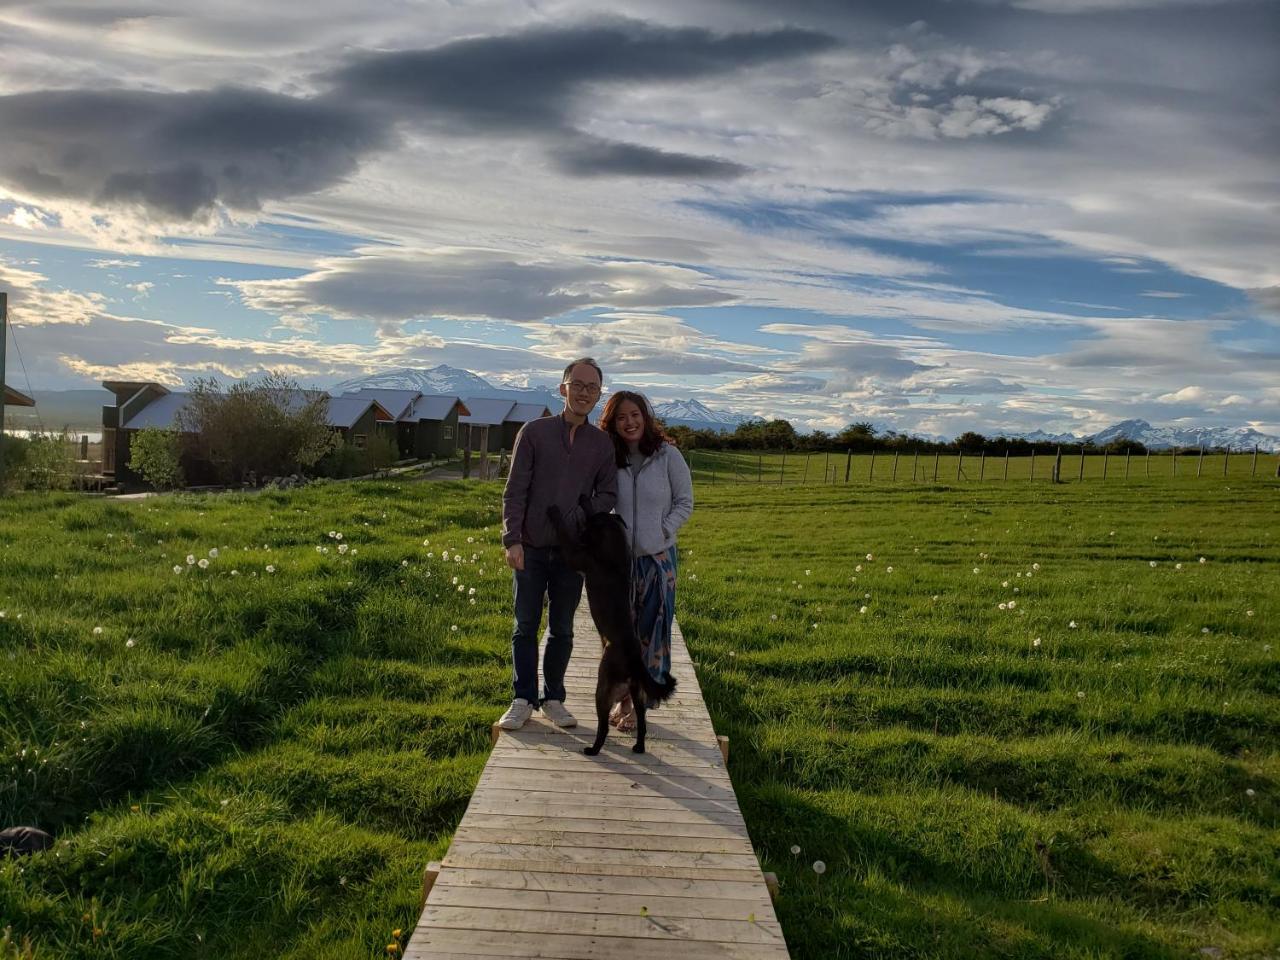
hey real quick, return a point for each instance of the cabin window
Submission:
(359, 440)
(446, 432)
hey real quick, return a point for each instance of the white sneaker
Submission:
(554, 711)
(517, 714)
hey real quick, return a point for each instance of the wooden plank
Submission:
(737, 908)
(498, 857)
(642, 927)
(621, 840)
(567, 853)
(692, 805)
(580, 765)
(594, 820)
(584, 884)
(428, 943)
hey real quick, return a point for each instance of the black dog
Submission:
(604, 560)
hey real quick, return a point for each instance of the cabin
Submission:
(521, 413)
(15, 398)
(425, 424)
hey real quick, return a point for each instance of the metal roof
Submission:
(13, 398)
(161, 413)
(524, 412)
(395, 402)
(486, 412)
(434, 406)
(345, 412)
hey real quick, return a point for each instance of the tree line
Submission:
(862, 437)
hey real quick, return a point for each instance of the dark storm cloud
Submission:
(530, 80)
(177, 154)
(592, 157)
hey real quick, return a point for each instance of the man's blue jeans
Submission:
(545, 574)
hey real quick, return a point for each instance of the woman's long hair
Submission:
(652, 438)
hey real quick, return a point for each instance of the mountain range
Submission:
(83, 409)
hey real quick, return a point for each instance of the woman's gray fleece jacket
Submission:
(655, 501)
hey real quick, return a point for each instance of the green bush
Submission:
(157, 456)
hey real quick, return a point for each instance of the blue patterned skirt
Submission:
(653, 583)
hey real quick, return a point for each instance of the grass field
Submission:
(268, 765)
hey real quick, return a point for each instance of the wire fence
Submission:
(779, 468)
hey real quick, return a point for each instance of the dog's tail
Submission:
(655, 691)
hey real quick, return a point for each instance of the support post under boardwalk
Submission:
(615, 856)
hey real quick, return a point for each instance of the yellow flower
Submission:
(393, 948)
(396, 933)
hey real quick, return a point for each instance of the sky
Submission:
(935, 216)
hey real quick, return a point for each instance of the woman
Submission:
(655, 498)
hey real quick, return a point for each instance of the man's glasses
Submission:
(577, 386)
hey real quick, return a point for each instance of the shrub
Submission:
(157, 456)
(267, 428)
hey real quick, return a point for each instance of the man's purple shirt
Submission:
(546, 469)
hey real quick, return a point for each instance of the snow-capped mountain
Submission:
(442, 379)
(694, 414)
(1160, 438)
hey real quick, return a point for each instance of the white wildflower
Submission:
(1079, 694)
(1153, 563)
(1012, 604)
(888, 569)
(1203, 560)
(213, 552)
(203, 564)
(1072, 624)
(177, 568)
(795, 850)
(862, 609)
(271, 568)
(191, 559)
(1035, 642)
(130, 643)
(819, 867)
(453, 628)
(1035, 566)
(97, 631)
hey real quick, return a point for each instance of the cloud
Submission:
(176, 156)
(532, 80)
(32, 303)
(584, 156)
(1163, 294)
(391, 286)
(113, 263)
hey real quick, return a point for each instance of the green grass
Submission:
(269, 766)
(1109, 792)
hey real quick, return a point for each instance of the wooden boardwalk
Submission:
(560, 855)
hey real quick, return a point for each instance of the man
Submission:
(555, 461)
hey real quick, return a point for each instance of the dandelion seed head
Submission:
(819, 867)
(862, 609)
(1035, 566)
(97, 631)
(1072, 624)
(1250, 792)
(1035, 642)
(773, 616)
(453, 628)
(1153, 563)
(177, 568)
(1204, 560)
(271, 568)
(795, 850)
(213, 552)
(191, 559)
(1079, 694)
(1004, 606)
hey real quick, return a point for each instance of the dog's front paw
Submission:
(590, 751)
(638, 748)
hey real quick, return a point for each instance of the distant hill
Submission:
(56, 409)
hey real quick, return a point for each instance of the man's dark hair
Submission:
(568, 371)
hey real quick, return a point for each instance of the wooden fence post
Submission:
(1126, 463)
(713, 473)
(894, 477)
(1104, 464)
(1081, 477)
(915, 458)
(1033, 464)
(937, 454)
(466, 459)
(1253, 470)
(959, 464)
(783, 472)
(982, 465)
(826, 467)
(1226, 457)
(1147, 463)
(871, 475)
(1200, 462)
(805, 479)
(1175, 461)
(759, 468)
(848, 463)
(1006, 464)
(1055, 473)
